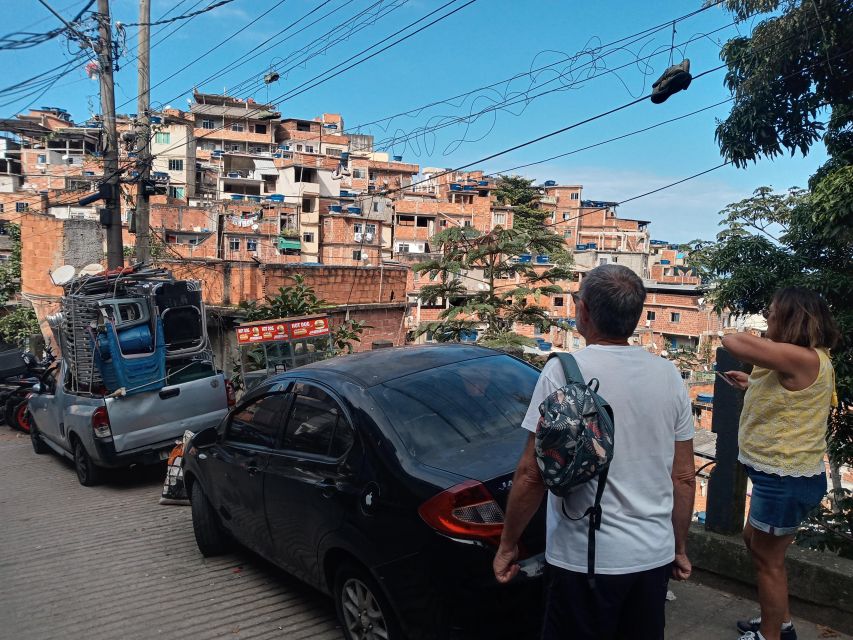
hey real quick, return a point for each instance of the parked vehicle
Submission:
(16, 388)
(99, 432)
(381, 479)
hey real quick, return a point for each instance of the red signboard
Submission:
(279, 331)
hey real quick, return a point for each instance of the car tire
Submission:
(39, 445)
(88, 473)
(364, 612)
(211, 538)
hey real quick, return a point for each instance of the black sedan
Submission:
(380, 478)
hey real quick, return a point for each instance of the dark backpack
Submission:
(574, 443)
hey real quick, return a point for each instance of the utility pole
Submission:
(143, 243)
(111, 214)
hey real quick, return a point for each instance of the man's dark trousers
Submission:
(620, 607)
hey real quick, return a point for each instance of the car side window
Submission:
(257, 422)
(317, 424)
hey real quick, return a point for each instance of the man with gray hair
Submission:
(648, 498)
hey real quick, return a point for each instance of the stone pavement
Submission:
(109, 562)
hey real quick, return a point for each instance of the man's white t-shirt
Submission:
(651, 410)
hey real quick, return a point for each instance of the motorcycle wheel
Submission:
(16, 415)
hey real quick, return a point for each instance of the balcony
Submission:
(548, 200)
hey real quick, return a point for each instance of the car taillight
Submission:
(101, 423)
(467, 511)
(229, 393)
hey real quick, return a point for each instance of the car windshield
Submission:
(458, 404)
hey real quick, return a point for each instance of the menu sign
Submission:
(282, 331)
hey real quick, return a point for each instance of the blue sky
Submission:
(486, 42)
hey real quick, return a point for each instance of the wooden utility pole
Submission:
(143, 140)
(112, 210)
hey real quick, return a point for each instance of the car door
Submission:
(239, 461)
(311, 480)
(46, 406)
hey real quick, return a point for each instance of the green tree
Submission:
(519, 193)
(16, 327)
(10, 270)
(495, 300)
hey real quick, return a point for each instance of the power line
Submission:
(28, 40)
(185, 16)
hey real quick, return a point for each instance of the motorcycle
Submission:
(18, 388)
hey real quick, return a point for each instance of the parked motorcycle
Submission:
(16, 389)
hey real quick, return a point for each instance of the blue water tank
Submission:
(335, 208)
(455, 187)
(398, 158)
(709, 399)
(544, 346)
(235, 196)
(275, 197)
(542, 259)
(355, 210)
(525, 258)
(550, 183)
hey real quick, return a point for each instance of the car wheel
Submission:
(211, 538)
(39, 445)
(363, 611)
(88, 473)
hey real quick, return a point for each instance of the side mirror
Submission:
(205, 438)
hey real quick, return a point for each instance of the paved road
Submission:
(109, 562)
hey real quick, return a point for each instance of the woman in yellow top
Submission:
(782, 439)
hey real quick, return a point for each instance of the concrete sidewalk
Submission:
(702, 612)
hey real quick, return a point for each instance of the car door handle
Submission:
(170, 393)
(328, 488)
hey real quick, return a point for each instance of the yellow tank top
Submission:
(782, 431)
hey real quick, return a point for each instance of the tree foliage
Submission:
(18, 326)
(794, 68)
(10, 270)
(489, 287)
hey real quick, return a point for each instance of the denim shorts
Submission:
(780, 504)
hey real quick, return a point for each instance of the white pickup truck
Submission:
(98, 432)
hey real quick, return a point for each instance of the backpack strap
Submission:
(594, 513)
(570, 367)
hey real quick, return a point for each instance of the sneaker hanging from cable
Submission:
(676, 78)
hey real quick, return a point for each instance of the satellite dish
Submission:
(255, 226)
(91, 269)
(63, 274)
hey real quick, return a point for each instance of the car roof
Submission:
(370, 368)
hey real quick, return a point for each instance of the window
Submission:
(163, 137)
(467, 223)
(567, 233)
(402, 247)
(20, 207)
(303, 126)
(499, 218)
(307, 205)
(332, 151)
(176, 192)
(650, 315)
(316, 425)
(457, 406)
(299, 147)
(602, 261)
(422, 222)
(237, 126)
(375, 207)
(234, 147)
(358, 228)
(358, 174)
(251, 244)
(42, 158)
(309, 148)
(565, 216)
(356, 254)
(2, 208)
(558, 301)
(234, 244)
(675, 316)
(257, 422)
(207, 124)
(442, 223)
(260, 128)
(576, 343)
(308, 237)
(576, 196)
(685, 374)
(176, 165)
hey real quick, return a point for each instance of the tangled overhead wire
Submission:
(25, 39)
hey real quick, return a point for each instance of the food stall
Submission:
(268, 347)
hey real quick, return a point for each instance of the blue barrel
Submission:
(135, 339)
(544, 346)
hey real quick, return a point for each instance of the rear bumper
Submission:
(449, 590)
(106, 456)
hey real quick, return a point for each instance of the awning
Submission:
(265, 166)
(289, 243)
